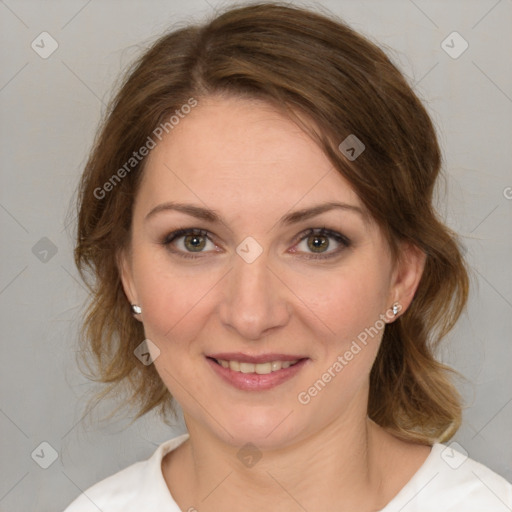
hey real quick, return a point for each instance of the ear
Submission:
(123, 258)
(407, 275)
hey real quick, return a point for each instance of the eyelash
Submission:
(338, 237)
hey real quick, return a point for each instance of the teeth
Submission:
(260, 368)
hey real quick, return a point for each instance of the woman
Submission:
(257, 216)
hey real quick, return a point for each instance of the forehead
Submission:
(241, 151)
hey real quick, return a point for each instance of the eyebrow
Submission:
(290, 218)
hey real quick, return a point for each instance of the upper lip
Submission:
(261, 358)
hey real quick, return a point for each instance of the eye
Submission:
(188, 241)
(317, 241)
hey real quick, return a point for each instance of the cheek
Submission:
(158, 291)
(348, 300)
(352, 311)
(173, 300)
(351, 305)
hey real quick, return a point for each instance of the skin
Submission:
(245, 160)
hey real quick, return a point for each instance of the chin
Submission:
(264, 427)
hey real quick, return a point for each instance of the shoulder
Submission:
(450, 481)
(137, 488)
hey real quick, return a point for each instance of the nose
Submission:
(255, 300)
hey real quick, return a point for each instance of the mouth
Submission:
(258, 368)
(255, 373)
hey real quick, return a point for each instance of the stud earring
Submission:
(396, 308)
(136, 310)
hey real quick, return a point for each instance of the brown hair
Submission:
(312, 67)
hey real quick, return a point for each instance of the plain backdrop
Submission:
(50, 108)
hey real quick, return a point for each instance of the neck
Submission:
(339, 468)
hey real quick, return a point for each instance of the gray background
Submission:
(49, 111)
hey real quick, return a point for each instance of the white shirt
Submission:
(446, 482)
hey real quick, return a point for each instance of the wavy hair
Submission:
(333, 82)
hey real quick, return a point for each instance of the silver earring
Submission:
(136, 310)
(396, 308)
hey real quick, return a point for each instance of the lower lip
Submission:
(255, 381)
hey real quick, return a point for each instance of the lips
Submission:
(252, 373)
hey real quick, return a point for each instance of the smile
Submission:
(256, 376)
(260, 368)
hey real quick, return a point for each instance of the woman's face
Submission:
(253, 283)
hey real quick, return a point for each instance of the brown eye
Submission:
(186, 242)
(194, 243)
(317, 243)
